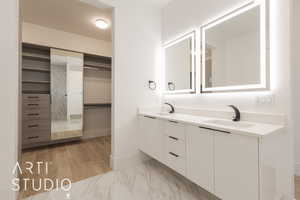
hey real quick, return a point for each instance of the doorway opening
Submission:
(66, 93)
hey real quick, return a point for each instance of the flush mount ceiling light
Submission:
(102, 24)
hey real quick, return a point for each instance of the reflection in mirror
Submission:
(234, 53)
(66, 94)
(180, 65)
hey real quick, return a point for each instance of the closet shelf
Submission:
(36, 82)
(97, 105)
(35, 69)
(36, 56)
(35, 92)
(93, 67)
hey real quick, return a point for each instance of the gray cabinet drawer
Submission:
(38, 114)
(36, 105)
(36, 126)
(30, 98)
(36, 138)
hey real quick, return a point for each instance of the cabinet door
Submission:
(200, 166)
(152, 137)
(236, 167)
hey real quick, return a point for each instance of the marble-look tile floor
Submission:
(148, 181)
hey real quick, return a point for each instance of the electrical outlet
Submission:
(266, 99)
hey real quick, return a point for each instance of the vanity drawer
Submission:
(174, 129)
(176, 162)
(36, 126)
(30, 98)
(175, 146)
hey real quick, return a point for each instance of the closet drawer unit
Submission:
(175, 129)
(176, 146)
(38, 114)
(176, 162)
(36, 126)
(35, 98)
(35, 138)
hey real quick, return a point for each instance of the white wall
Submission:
(296, 89)
(32, 33)
(193, 13)
(137, 50)
(9, 86)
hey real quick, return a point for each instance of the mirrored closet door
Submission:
(66, 94)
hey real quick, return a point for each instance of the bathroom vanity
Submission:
(233, 160)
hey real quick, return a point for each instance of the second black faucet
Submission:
(172, 108)
(237, 115)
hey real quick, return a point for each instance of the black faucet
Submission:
(172, 108)
(237, 115)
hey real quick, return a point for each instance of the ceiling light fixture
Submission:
(102, 24)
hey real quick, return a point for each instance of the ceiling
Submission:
(67, 15)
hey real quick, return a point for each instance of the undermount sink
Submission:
(230, 123)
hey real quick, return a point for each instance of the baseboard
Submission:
(297, 169)
(120, 162)
(89, 134)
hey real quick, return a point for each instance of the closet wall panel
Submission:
(97, 87)
(97, 121)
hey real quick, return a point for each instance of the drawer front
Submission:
(175, 130)
(44, 105)
(36, 98)
(176, 146)
(38, 114)
(35, 126)
(35, 138)
(176, 162)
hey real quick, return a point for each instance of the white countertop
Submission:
(256, 129)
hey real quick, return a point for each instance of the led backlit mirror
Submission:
(234, 51)
(179, 56)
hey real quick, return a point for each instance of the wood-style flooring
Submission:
(297, 185)
(75, 161)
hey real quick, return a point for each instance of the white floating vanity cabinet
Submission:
(224, 163)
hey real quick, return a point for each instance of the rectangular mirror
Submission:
(66, 94)
(234, 51)
(179, 56)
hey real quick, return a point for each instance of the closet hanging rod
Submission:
(98, 68)
(97, 105)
